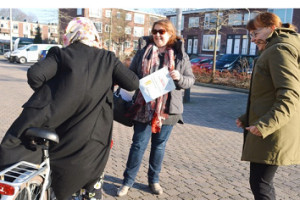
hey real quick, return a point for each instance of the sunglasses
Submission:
(160, 31)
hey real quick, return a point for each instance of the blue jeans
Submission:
(141, 137)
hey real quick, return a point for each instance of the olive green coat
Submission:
(274, 105)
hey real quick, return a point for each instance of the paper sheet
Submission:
(156, 84)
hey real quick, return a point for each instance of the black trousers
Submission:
(261, 181)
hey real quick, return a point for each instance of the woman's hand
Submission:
(254, 130)
(239, 123)
(175, 75)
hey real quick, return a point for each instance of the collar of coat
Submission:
(284, 35)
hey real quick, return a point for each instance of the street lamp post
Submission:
(11, 25)
(248, 38)
(186, 96)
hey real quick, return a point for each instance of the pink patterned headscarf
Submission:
(83, 30)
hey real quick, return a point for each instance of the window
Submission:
(127, 44)
(107, 13)
(33, 48)
(192, 45)
(138, 31)
(107, 28)
(118, 15)
(5, 24)
(237, 44)
(139, 18)
(195, 46)
(246, 18)
(95, 12)
(79, 11)
(193, 22)
(15, 28)
(245, 44)
(252, 48)
(98, 26)
(235, 19)
(135, 44)
(210, 20)
(285, 14)
(208, 42)
(128, 30)
(229, 46)
(128, 16)
(174, 21)
(119, 29)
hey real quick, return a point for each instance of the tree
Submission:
(38, 36)
(116, 35)
(64, 18)
(213, 22)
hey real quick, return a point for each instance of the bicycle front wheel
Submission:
(33, 190)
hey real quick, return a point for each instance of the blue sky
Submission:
(44, 15)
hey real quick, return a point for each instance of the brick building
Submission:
(25, 29)
(198, 29)
(123, 26)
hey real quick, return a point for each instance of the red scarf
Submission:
(153, 111)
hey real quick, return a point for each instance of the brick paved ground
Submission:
(202, 159)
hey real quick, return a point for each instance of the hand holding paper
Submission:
(156, 84)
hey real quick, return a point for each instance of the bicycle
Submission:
(28, 181)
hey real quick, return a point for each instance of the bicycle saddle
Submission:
(42, 133)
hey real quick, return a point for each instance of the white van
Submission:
(30, 53)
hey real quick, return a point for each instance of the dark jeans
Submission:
(141, 137)
(261, 181)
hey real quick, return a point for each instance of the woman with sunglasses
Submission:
(271, 123)
(156, 119)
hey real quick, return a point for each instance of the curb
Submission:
(246, 91)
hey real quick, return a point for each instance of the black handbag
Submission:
(120, 109)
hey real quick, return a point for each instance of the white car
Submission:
(30, 53)
(7, 55)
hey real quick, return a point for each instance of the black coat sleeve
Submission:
(42, 71)
(124, 77)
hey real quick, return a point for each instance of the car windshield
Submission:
(195, 60)
(21, 48)
(228, 57)
(206, 61)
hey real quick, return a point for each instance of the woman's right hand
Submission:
(239, 123)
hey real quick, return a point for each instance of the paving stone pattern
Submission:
(202, 158)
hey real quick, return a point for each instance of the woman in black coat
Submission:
(73, 96)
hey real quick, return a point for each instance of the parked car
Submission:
(195, 61)
(7, 55)
(203, 64)
(29, 53)
(234, 62)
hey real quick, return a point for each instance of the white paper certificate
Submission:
(156, 84)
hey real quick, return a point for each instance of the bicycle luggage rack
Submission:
(20, 173)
